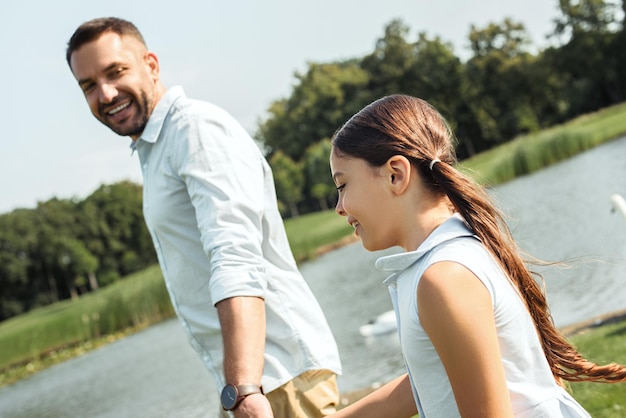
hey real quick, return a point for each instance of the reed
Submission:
(134, 303)
(530, 153)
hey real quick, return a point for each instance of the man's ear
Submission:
(152, 61)
(398, 170)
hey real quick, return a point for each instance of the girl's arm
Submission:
(395, 399)
(456, 312)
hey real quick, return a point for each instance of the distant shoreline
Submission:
(594, 322)
(347, 240)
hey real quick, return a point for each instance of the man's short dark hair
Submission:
(93, 29)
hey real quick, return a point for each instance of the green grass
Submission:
(603, 345)
(307, 234)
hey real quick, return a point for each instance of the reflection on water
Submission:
(559, 214)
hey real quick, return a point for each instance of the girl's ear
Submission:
(398, 170)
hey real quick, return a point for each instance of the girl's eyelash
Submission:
(340, 187)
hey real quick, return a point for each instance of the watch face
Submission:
(229, 397)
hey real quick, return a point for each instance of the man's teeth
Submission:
(118, 108)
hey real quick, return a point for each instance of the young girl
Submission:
(475, 329)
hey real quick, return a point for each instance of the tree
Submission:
(508, 39)
(77, 265)
(57, 221)
(584, 16)
(590, 62)
(289, 181)
(18, 291)
(115, 231)
(436, 74)
(323, 98)
(318, 177)
(498, 82)
(390, 66)
(438, 77)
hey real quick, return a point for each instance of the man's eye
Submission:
(87, 87)
(117, 72)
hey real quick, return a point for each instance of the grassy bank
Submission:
(603, 344)
(313, 233)
(531, 153)
(47, 335)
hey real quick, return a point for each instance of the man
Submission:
(210, 206)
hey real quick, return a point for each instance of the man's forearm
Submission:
(243, 328)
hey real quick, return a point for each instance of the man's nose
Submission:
(107, 93)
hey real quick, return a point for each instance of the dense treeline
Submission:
(501, 91)
(63, 248)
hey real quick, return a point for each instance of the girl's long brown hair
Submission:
(408, 126)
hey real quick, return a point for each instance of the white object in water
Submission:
(619, 204)
(383, 324)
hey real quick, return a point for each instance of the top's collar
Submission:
(451, 228)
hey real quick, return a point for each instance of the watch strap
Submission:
(249, 389)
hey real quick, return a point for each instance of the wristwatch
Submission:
(232, 395)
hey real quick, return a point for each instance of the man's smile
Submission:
(118, 108)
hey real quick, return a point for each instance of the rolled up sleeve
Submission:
(224, 173)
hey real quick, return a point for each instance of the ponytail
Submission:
(482, 217)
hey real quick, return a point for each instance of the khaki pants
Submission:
(313, 394)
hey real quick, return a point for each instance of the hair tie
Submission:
(432, 163)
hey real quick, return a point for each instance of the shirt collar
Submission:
(157, 118)
(453, 227)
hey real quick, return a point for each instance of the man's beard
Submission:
(138, 125)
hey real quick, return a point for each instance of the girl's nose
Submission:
(339, 208)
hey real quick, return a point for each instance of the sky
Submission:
(241, 55)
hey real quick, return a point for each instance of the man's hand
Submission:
(254, 406)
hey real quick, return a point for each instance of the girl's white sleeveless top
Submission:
(533, 390)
